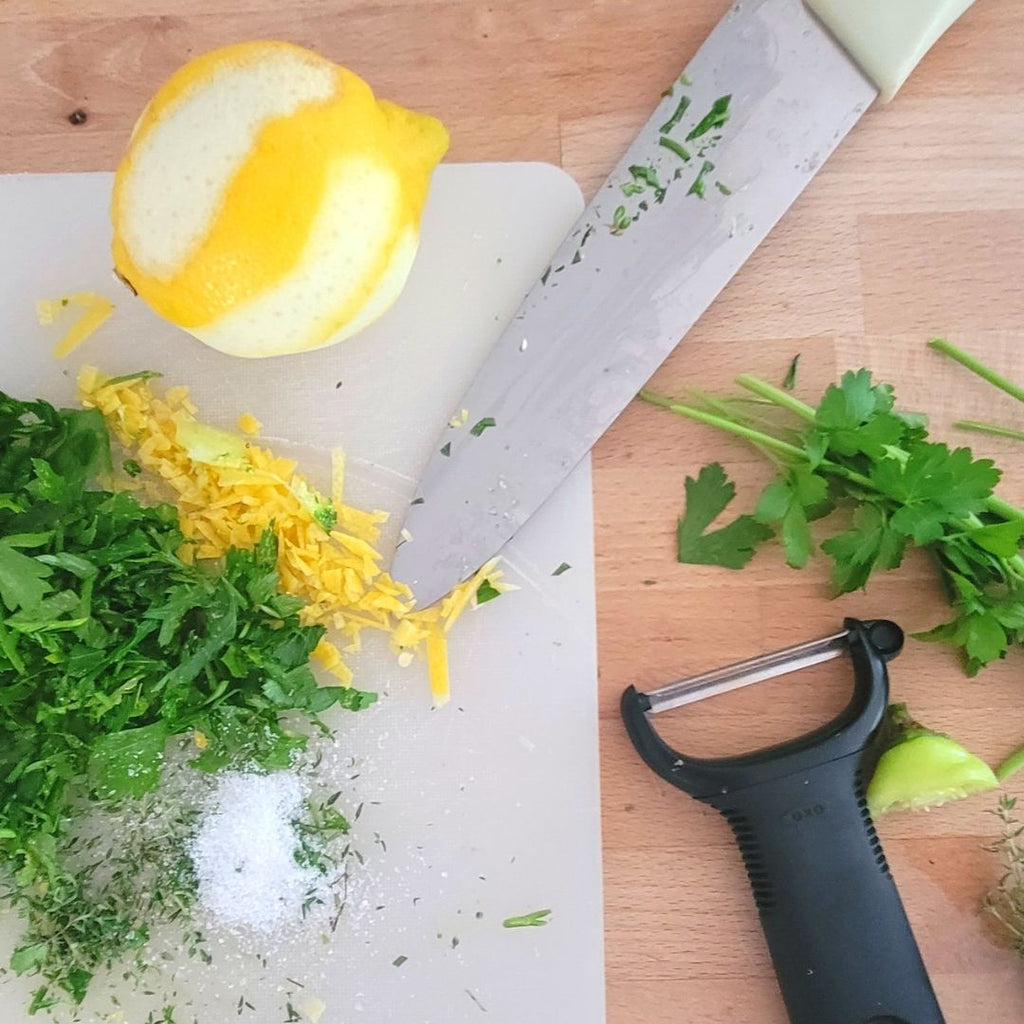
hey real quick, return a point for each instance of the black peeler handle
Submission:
(838, 935)
(839, 938)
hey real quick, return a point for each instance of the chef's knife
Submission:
(734, 141)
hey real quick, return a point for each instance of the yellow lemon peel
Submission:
(95, 311)
(268, 202)
(229, 500)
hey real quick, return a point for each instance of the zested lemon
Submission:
(268, 203)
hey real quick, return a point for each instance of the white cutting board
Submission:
(489, 806)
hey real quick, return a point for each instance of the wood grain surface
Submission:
(915, 227)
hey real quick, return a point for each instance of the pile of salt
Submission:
(244, 853)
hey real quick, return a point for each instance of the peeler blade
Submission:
(743, 673)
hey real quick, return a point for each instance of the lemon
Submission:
(268, 203)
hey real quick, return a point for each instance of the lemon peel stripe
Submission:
(337, 574)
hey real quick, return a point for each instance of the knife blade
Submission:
(764, 102)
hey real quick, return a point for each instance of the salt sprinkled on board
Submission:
(244, 853)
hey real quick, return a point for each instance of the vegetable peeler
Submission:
(838, 935)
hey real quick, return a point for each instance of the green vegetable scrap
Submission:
(856, 450)
(111, 645)
(921, 769)
(486, 592)
(320, 507)
(789, 381)
(537, 919)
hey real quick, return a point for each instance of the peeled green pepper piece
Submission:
(923, 769)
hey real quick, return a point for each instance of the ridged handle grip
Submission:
(888, 38)
(836, 929)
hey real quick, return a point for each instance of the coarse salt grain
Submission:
(244, 853)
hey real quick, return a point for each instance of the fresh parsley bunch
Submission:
(857, 450)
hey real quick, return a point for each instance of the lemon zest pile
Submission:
(96, 309)
(230, 503)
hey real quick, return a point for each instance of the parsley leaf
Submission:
(789, 504)
(22, 579)
(870, 543)
(128, 763)
(731, 546)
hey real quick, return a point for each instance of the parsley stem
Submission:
(993, 504)
(989, 428)
(754, 436)
(776, 395)
(670, 144)
(972, 364)
(1011, 765)
(1004, 509)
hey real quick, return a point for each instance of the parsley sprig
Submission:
(855, 449)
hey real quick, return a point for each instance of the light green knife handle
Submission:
(888, 38)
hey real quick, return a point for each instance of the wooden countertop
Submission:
(915, 227)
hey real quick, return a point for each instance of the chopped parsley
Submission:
(716, 117)
(620, 220)
(677, 115)
(481, 425)
(698, 187)
(674, 147)
(536, 919)
(95, 599)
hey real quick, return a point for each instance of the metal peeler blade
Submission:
(743, 673)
